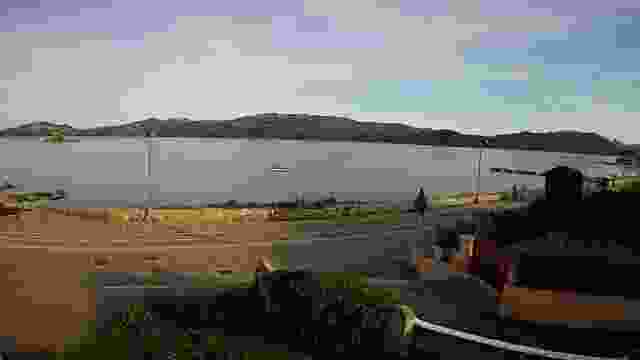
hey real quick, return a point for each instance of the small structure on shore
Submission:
(6, 185)
(59, 194)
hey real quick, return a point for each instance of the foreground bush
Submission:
(313, 313)
(632, 185)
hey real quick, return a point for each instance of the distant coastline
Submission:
(332, 128)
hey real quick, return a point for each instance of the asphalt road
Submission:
(376, 249)
(446, 217)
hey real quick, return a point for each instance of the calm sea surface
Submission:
(103, 172)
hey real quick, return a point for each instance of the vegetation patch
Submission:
(137, 330)
(187, 216)
(218, 280)
(628, 184)
(56, 136)
(505, 196)
(32, 199)
(345, 215)
(373, 215)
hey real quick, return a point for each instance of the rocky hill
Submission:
(332, 128)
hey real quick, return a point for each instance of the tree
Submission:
(56, 135)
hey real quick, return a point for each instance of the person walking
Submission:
(420, 204)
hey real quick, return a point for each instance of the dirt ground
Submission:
(485, 200)
(43, 256)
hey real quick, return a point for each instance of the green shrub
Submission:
(117, 344)
(356, 284)
(88, 280)
(233, 280)
(114, 345)
(630, 186)
(355, 212)
(505, 196)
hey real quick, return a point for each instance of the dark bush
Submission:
(327, 320)
(287, 204)
(584, 220)
(513, 226)
(585, 274)
(448, 238)
(465, 227)
(311, 317)
(607, 216)
(231, 203)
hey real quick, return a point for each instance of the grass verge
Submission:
(344, 216)
(30, 200)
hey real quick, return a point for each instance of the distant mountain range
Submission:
(332, 128)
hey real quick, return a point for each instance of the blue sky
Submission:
(476, 66)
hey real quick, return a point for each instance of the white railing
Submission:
(457, 333)
(509, 346)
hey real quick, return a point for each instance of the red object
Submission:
(487, 248)
(472, 264)
(481, 249)
(567, 296)
(504, 268)
(484, 249)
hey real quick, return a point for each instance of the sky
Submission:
(476, 66)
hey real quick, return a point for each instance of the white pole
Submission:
(148, 168)
(148, 176)
(476, 200)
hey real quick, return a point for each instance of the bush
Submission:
(315, 312)
(231, 203)
(584, 274)
(631, 186)
(331, 311)
(505, 196)
(448, 239)
(130, 334)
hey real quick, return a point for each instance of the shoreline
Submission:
(443, 200)
(473, 146)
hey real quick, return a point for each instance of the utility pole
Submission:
(485, 143)
(148, 135)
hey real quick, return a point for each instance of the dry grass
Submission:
(194, 216)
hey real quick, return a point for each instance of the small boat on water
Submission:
(276, 168)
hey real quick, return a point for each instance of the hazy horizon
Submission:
(482, 67)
